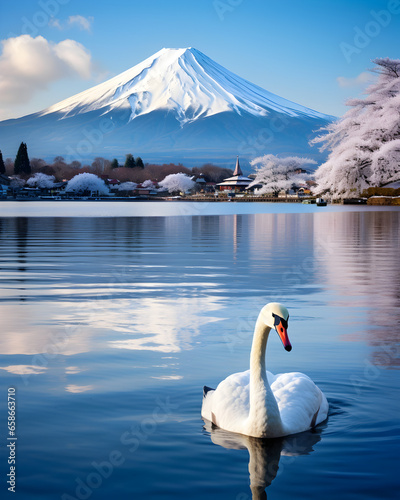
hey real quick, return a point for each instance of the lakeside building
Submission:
(237, 183)
(4, 185)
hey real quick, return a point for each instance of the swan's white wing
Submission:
(228, 406)
(301, 403)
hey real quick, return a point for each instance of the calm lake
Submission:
(113, 317)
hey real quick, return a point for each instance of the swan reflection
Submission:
(264, 454)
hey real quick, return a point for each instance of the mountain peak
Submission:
(179, 50)
(183, 81)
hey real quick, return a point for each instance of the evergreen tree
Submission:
(130, 161)
(2, 166)
(114, 163)
(22, 165)
(139, 162)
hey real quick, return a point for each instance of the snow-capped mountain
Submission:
(177, 105)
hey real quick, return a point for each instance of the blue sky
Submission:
(313, 52)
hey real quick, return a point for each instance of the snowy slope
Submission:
(184, 81)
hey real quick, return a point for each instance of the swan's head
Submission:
(276, 316)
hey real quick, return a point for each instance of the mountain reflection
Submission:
(264, 454)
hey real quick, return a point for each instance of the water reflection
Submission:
(264, 454)
(122, 312)
(72, 286)
(361, 261)
(24, 369)
(77, 389)
(160, 326)
(22, 237)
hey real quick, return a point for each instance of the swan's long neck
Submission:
(264, 417)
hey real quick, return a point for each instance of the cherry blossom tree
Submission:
(127, 186)
(364, 144)
(177, 183)
(276, 174)
(41, 180)
(87, 182)
(148, 184)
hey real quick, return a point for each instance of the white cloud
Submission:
(83, 23)
(75, 57)
(29, 65)
(359, 81)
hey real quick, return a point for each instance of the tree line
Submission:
(132, 170)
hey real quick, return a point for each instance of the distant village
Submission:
(164, 182)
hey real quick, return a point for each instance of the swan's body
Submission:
(257, 403)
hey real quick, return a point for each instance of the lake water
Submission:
(112, 323)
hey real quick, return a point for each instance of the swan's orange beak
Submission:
(281, 329)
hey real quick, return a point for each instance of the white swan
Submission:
(256, 402)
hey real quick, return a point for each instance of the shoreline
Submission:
(372, 201)
(147, 208)
(195, 199)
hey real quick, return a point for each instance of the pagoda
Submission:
(238, 182)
